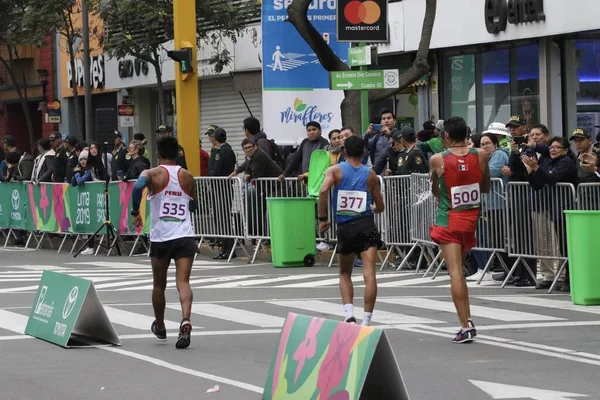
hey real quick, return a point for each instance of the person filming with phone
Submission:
(377, 137)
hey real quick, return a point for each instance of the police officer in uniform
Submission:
(166, 130)
(412, 160)
(119, 161)
(60, 159)
(393, 157)
(587, 158)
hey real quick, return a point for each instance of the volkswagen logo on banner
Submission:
(70, 302)
(15, 199)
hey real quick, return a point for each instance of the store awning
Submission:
(422, 81)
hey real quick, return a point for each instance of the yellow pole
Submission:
(186, 85)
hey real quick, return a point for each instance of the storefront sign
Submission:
(97, 75)
(128, 67)
(498, 13)
(362, 21)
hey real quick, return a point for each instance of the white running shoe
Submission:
(88, 252)
(475, 277)
(323, 246)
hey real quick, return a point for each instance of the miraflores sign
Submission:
(499, 13)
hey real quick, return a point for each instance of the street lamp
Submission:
(43, 78)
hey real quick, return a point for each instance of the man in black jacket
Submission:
(301, 159)
(119, 167)
(60, 157)
(258, 164)
(166, 130)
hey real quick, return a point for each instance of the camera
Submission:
(520, 140)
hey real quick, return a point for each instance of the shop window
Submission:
(460, 84)
(490, 87)
(588, 79)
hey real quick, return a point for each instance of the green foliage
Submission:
(140, 28)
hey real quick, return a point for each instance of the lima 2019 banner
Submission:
(60, 207)
(295, 85)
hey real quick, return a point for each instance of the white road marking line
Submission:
(40, 267)
(127, 283)
(14, 322)
(415, 281)
(263, 281)
(236, 332)
(507, 345)
(93, 278)
(537, 325)
(177, 368)
(543, 302)
(321, 283)
(134, 320)
(235, 315)
(199, 280)
(477, 311)
(19, 289)
(380, 317)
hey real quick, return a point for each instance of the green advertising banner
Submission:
(60, 207)
(317, 358)
(66, 305)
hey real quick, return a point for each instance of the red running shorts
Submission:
(441, 235)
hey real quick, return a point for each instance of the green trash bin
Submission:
(293, 231)
(584, 271)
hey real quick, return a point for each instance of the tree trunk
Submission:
(23, 99)
(351, 110)
(161, 91)
(297, 16)
(69, 36)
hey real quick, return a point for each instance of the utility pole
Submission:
(89, 130)
(186, 81)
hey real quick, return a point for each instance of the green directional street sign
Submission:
(359, 56)
(364, 80)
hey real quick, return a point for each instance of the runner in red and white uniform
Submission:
(172, 197)
(459, 176)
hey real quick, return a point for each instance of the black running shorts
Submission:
(174, 249)
(357, 236)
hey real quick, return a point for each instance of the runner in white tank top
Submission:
(172, 198)
(169, 210)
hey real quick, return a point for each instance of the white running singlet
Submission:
(170, 210)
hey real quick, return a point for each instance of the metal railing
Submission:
(588, 196)
(536, 225)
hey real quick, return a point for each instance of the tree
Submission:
(142, 28)
(297, 16)
(63, 16)
(14, 32)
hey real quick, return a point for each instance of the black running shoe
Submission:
(161, 335)
(351, 320)
(185, 334)
(463, 337)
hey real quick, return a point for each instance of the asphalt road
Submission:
(526, 337)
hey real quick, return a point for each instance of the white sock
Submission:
(367, 319)
(349, 310)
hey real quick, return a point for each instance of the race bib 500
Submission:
(466, 196)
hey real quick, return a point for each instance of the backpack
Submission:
(276, 153)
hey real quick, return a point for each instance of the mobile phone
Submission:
(377, 127)
(520, 139)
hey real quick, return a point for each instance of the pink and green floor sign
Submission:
(321, 359)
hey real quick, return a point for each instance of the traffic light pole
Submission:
(186, 82)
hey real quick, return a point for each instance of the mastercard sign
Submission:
(362, 21)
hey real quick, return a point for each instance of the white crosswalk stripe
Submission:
(381, 317)
(131, 319)
(477, 311)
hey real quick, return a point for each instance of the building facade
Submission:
(494, 58)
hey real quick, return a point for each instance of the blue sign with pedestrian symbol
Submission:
(288, 61)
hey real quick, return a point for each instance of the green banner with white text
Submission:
(60, 207)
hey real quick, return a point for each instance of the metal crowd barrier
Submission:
(537, 225)
(221, 211)
(397, 217)
(588, 196)
(491, 227)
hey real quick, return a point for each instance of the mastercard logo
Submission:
(367, 12)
